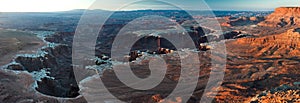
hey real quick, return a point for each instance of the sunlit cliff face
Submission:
(283, 16)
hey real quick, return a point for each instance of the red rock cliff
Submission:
(287, 43)
(283, 16)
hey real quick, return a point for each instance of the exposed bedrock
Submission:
(242, 21)
(161, 91)
(57, 60)
(17, 87)
(283, 16)
(283, 93)
(259, 64)
(284, 44)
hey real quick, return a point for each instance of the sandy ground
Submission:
(16, 42)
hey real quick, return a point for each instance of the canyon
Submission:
(257, 66)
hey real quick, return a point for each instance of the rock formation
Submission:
(253, 65)
(259, 64)
(283, 16)
(242, 21)
(18, 87)
(285, 44)
(56, 58)
(140, 69)
(284, 93)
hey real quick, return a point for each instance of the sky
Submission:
(65, 5)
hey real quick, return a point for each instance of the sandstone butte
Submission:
(283, 16)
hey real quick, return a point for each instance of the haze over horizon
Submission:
(65, 5)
